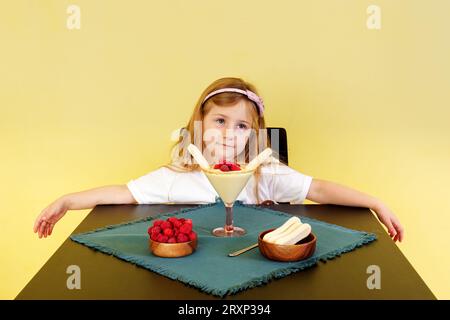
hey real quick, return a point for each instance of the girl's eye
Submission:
(220, 121)
(242, 126)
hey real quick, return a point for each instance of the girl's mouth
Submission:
(225, 145)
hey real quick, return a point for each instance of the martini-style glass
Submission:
(228, 185)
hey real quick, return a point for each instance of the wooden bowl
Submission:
(287, 252)
(172, 250)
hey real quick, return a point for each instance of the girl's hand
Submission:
(388, 218)
(49, 216)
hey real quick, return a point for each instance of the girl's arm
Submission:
(116, 194)
(327, 192)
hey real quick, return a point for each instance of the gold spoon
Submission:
(236, 253)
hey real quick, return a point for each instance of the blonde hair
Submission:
(182, 160)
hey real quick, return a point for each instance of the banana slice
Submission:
(294, 235)
(269, 237)
(289, 230)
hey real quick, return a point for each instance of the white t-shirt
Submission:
(277, 182)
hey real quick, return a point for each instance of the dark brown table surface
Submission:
(345, 277)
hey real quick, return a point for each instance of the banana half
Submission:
(291, 232)
(271, 236)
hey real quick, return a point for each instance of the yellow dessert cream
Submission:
(228, 184)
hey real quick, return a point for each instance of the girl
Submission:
(228, 114)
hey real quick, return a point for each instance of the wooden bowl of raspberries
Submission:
(172, 238)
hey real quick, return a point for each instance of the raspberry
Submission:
(154, 236)
(149, 230)
(177, 224)
(160, 237)
(172, 240)
(182, 220)
(186, 228)
(176, 232)
(220, 163)
(166, 225)
(234, 167)
(192, 235)
(168, 232)
(156, 229)
(182, 237)
(188, 221)
(157, 222)
(224, 168)
(172, 220)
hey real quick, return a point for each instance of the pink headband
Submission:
(250, 94)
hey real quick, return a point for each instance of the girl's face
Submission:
(226, 131)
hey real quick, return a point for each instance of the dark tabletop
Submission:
(345, 277)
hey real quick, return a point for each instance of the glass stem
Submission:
(229, 218)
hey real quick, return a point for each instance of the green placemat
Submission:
(209, 268)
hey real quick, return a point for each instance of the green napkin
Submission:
(209, 268)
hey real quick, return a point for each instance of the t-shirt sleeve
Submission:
(153, 187)
(289, 185)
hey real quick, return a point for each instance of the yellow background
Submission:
(83, 108)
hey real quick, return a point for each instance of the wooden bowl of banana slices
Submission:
(293, 241)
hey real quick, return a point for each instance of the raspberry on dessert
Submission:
(234, 167)
(224, 168)
(168, 232)
(166, 225)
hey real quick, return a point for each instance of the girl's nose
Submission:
(228, 134)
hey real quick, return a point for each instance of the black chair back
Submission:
(278, 140)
